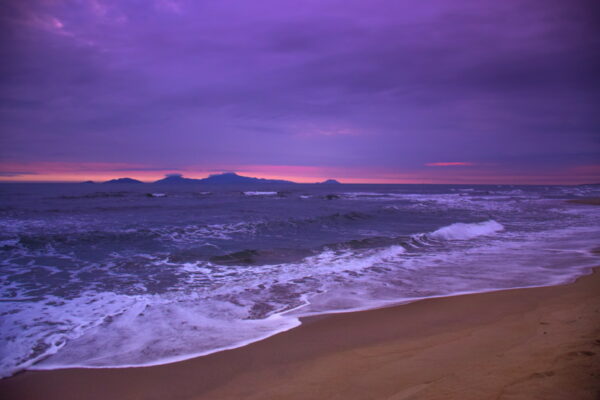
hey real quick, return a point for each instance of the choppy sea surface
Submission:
(130, 275)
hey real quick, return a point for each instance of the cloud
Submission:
(16, 173)
(450, 164)
(329, 83)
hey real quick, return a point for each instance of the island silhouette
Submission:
(225, 178)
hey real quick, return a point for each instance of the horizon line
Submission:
(449, 182)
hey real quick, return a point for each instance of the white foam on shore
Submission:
(68, 321)
(113, 347)
(376, 304)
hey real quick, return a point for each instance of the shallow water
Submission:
(120, 275)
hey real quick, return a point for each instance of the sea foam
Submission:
(260, 193)
(460, 231)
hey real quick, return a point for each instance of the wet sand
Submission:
(537, 343)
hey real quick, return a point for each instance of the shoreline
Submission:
(307, 318)
(425, 348)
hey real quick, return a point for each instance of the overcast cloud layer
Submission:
(386, 87)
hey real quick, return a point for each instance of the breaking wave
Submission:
(460, 231)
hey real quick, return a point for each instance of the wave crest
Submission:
(461, 231)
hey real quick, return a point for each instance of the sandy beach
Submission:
(536, 343)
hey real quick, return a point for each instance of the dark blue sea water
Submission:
(122, 275)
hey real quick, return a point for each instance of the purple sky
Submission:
(378, 90)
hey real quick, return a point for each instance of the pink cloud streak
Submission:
(450, 164)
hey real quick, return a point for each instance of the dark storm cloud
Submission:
(392, 84)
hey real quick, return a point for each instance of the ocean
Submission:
(96, 275)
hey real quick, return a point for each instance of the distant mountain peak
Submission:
(123, 180)
(176, 178)
(234, 178)
(224, 178)
(330, 182)
(224, 173)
